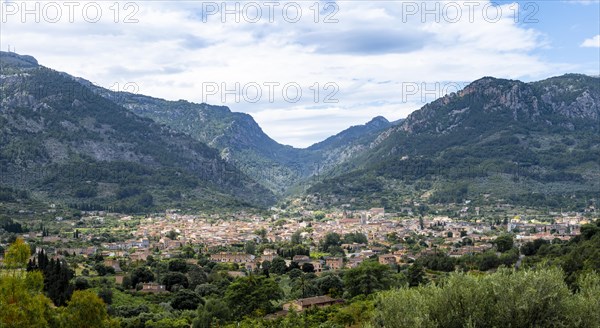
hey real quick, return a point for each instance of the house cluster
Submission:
(170, 232)
(247, 261)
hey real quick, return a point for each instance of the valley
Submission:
(495, 142)
(156, 213)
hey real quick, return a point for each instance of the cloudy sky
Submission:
(305, 69)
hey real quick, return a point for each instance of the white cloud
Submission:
(593, 42)
(318, 124)
(373, 54)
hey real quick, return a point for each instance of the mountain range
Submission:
(60, 140)
(241, 141)
(496, 141)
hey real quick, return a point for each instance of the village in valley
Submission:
(246, 241)
(263, 268)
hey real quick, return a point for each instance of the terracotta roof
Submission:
(315, 300)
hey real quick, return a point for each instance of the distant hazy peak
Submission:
(378, 120)
(14, 59)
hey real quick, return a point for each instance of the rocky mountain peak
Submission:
(378, 121)
(547, 102)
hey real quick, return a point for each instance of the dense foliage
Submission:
(507, 298)
(57, 277)
(22, 303)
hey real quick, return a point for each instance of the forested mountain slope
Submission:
(495, 141)
(63, 142)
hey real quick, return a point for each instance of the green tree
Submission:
(319, 215)
(355, 237)
(331, 284)
(262, 233)
(589, 230)
(81, 283)
(415, 274)
(531, 247)
(392, 238)
(213, 313)
(167, 323)
(296, 238)
(178, 265)
(331, 239)
(367, 278)
(305, 286)
(265, 266)
(357, 313)
(250, 247)
(106, 294)
(205, 290)
(141, 274)
(175, 278)
(17, 254)
(188, 252)
(278, 266)
(22, 303)
(185, 299)
(253, 294)
(294, 273)
(86, 310)
(582, 307)
(196, 276)
(504, 243)
(308, 267)
(172, 234)
(57, 281)
(438, 262)
(103, 270)
(488, 260)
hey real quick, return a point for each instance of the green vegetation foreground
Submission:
(561, 288)
(23, 304)
(507, 298)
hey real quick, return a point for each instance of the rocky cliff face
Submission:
(549, 102)
(571, 96)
